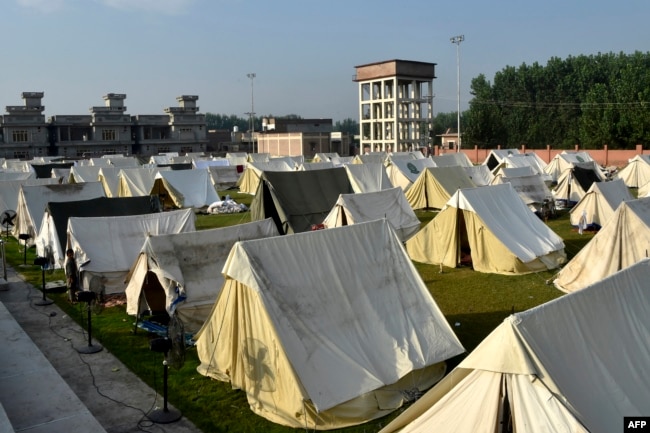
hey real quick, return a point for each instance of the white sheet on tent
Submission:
(363, 207)
(509, 218)
(316, 165)
(368, 177)
(367, 266)
(206, 163)
(110, 245)
(195, 187)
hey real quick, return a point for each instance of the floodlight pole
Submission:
(252, 76)
(457, 40)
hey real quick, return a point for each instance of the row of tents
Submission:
(269, 318)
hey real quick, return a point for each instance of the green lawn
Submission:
(474, 304)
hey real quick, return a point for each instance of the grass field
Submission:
(473, 303)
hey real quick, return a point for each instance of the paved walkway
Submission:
(46, 385)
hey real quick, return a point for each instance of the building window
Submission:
(185, 129)
(108, 134)
(19, 136)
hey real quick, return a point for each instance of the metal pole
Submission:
(457, 40)
(252, 76)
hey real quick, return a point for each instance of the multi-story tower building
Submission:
(23, 131)
(395, 105)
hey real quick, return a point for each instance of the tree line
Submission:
(588, 101)
(585, 100)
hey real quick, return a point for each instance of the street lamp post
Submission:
(457, 40)
(252, 112)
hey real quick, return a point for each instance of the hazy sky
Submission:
(303, 52)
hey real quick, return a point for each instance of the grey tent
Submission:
(297, 200)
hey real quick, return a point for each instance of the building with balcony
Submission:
(23, 130)
(395, 105)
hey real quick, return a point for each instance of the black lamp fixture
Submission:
(24, 237)
(88, 297)
(163, 415)
(43, 263)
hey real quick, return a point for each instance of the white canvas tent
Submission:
(237, 158)
(575, 181)
(451, 160)
(316, 165)
(636, 173)
(368, 177)
(480, 174)
(403, 173)
(496, 157)
(599, 203)
(137, 182)
(622, 241)
(494, 227)
(109, 245)
(531, 188)
(223, 177)
(250, 179)
(83, 173)
(565, 160)
(258, 157)
(10, 189)
(435, 185)
(32, 200)
(16, 175)
(363, 207)
(324, 329)
(109, 177)
(184, 188)
(182, 271)
(579, 363)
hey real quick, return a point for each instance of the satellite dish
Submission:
(7, 219)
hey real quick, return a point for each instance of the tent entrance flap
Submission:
(152, 298)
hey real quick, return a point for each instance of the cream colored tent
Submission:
(184, 188)
(182, 271)
(636, 173)
(565, 160)
(250, 178)
(435, 185)
(368, 177)
(451, 160)
(32, 200)
(579, 363)
(623, 240)
(403, 173)
(109, 245)
(599, 203)
(531, 188)
(496, 157)
(137, 182)
(480, 174)
(325, 329)
(493, 226)
(575, 181)
(363, 207)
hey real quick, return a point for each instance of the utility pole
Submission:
(457, 40)
(252, 112)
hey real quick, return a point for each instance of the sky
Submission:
(303, 53)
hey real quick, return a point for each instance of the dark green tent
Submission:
(296, 200)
